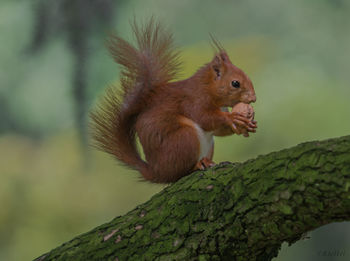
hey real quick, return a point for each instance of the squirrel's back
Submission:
(152, 62)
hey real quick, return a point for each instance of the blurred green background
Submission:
(54, 65)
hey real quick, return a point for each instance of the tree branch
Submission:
(234, 211)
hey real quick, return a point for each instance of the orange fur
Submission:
(166, 115)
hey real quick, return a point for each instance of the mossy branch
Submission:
(234, 211)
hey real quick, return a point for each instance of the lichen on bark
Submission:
(233, 211)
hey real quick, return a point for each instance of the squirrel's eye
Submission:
(236, 84)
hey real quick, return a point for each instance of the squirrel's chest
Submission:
(206, 141)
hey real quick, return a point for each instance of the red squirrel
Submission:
(175, 121)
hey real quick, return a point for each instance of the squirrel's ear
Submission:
(216, 65)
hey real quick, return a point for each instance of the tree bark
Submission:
(233, 211)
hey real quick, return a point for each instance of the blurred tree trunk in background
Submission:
(75, 20)
(7, 119)
(242, 211)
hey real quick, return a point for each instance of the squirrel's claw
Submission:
(245, 125)
(241, 123)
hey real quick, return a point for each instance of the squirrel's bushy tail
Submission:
(152, 62)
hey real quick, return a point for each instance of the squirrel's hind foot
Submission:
(204, 163)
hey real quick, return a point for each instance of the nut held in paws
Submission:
(244, 109)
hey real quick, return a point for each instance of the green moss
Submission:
(298, 199)
(270, 228)
(204, 258)
(285, 194)
(271, 197)
(243, 206)
(224, 178)
(285, 209)
(183, 227)
(237, 189)
(347, 186)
